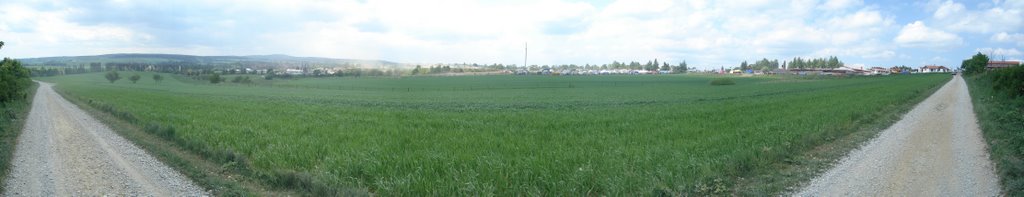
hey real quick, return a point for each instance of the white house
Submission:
(293, 71)
(934, 69)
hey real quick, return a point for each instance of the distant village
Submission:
(844, 70)
(830, 66)
(840, 71)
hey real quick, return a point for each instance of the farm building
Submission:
(293, 71)
(879, 71)
(1001, 64)
(934, 69)
(895, 69)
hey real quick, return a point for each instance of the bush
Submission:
(164, 131)
(997, 103)
(215, 78)
(14, 78)
(302, 181)
(134, 78)
(1009, 80)
(722, 81)
(112, 76)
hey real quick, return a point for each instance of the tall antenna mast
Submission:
(526, 52)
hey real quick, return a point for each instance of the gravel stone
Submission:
(63, 151)
(935, 150)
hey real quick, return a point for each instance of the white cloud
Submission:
(872, 50)
(1003, 16)
(997, 53)
(625, 30)
(1009, 38)
(841, 4)
(860, 20)
(37, 32)
(916, 34)
(703, 32)
(949, 9)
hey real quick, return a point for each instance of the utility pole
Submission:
(526, 52)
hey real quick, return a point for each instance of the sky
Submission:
(706, 34)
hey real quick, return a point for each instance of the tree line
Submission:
(797, 63)
(651, 65)
(830, 62)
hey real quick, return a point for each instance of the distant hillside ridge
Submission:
(275, 60)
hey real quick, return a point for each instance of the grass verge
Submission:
(219, 180)
(799, 169)
(1001, 118)
(11, 123)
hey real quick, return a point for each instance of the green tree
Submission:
(215, 78)
(665, 67)
(635, 66)
(975, 65)
(135, 78)
(157, 78)
(112, 76)
(655, 67)
(14, 78)
(417, 70)
(833, 62)
(683, 68)
(650, 66)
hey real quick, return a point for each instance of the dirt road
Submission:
(65, 152)
(935, 150)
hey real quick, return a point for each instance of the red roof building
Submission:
(1001, 64)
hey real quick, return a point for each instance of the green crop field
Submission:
(505, 135)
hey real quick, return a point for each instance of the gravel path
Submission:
(935, 150)
(65, 152)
